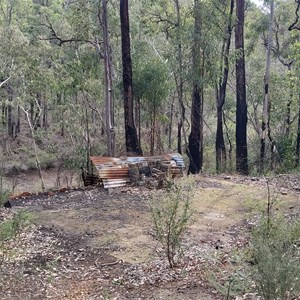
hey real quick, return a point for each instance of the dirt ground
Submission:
(94, 244)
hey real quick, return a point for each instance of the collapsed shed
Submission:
(117, 172)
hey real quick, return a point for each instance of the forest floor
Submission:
(93, 244)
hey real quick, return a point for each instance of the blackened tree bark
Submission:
(195, 148)
(298, 137)
(241, 103)
(132, 143)
(221, 95)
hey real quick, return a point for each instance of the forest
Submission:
(204, 87)
(217, 81)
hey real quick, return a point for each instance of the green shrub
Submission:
(11, 228)
(171, 214)
(286, 154)
(276, 256)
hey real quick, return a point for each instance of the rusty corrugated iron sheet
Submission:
(114, 172)
(102, 160)
(111, 183)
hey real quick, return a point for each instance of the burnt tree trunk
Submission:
(241, 103)
(221, 95)
(195, 148)
(298, 137)
(132, 143)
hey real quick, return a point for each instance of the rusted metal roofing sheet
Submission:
(114, 172)
(102, 160)
(110, 183)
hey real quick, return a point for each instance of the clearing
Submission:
(93, 244)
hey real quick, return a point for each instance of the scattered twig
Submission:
(108, 264)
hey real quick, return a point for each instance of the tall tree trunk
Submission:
(10, 113)
(38, 111)
(4, 114)
(288, 121)
(241, 103)
(170, 124)
(37, 160)
(109, 114)
(45, 116)
(132, 143)
(196, 136)
(10, 129)
(18, 125)
(221, 157)
(138, 119)
(88, 142)
(229, 142)
(266, 103)
(221, 96)
(152, 130)
(298, 137)
(179, 81)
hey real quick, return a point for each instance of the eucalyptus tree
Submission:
(282, 50)
(283, 39)
(83, 26)
(295, 25)
(296, 50)
(151, 87)
(132, 143)
(195, 148)
(108, 79)
(11, 35)
(221, 87)
(179, 79)
(266, 105)
(174, 20)
(241, 102)
(279, 114)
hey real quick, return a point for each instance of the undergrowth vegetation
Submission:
(275, 246)
(10, 229)
(171, 214)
